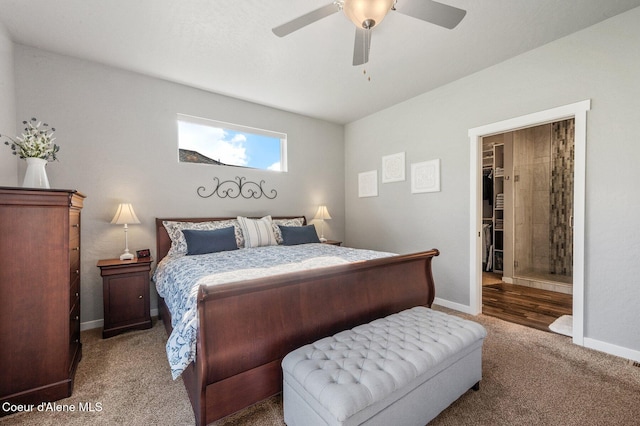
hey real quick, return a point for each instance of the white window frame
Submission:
(243, 129)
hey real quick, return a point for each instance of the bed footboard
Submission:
(246, 328)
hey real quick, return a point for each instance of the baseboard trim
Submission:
(612, 349)
(453, 305)
(90, 325)
(588, 342)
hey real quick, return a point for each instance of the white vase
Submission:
(36, 175)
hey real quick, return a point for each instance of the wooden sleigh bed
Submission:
(246, 328)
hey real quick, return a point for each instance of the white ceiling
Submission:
(227, 47)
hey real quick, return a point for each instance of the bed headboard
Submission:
(163, 242)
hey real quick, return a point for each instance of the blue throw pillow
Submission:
(293, 235)
(210, 241)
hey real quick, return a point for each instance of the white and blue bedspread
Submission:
(178, 278)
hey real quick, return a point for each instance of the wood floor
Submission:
(527, 306)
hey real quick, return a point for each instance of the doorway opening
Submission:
(577, 112)
(527, 211)
(527, 205)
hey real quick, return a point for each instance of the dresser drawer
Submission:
(74, 313)
(74, 222)
(74, 271)
(74, 256)
(74, 238)
(74, 321)
(74, 293)
(74, 332)
(74, 353)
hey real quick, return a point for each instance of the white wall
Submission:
(8, 163)
(601, 63)
(118, 136)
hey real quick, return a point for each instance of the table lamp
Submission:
(322, 214)
(124, 216)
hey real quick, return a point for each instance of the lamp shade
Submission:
(367, 13)
(322, 213)
(125, 215)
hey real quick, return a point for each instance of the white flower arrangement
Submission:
(35, 142)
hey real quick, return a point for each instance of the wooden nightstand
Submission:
(333, 242)
(125, 284)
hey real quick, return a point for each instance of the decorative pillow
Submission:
(210, 241)
(178, 242)
(257, 232)
(298, 221)
(293, 235)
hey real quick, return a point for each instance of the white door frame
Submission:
(578, 111)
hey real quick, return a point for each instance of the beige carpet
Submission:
(530, 377)
(129, 376)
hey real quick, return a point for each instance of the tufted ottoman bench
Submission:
(400, 370)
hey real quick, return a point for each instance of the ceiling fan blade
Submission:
(304, 20)
(432, 11)
(361, 46)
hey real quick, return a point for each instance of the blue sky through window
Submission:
(232, 147)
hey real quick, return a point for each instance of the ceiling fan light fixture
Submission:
(367, 13)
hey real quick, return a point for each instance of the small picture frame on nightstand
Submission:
(142, 254)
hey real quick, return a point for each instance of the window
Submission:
(212, 142)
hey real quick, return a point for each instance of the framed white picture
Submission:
(425, 176)
(393, 168)
(368, 184)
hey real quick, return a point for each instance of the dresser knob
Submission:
(77, 340)
(77, 294)
(76, 318)
(75, 225)
(76, 248)
(77, 271)
(139, 297)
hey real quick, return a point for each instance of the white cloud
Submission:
(275, 166)
(213, 143)
(239, 138)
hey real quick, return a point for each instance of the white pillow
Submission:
(257, 232)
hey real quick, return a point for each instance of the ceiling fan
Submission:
(366, 14)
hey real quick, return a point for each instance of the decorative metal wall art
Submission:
(236, 188)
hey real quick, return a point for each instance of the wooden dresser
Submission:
(39, 294)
